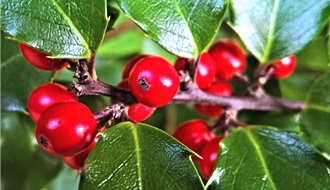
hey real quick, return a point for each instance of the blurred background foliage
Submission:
(24, 164)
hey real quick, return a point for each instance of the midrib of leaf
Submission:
(261, 157)
(66, 17)
(317, 107)
(10, 60)
(137, 147)
(271, 32)
(186, 21)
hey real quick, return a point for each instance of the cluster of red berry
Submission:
(223, 61)
(65, 127)
(68, 129)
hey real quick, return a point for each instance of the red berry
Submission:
(137, 112)
(78, 161)
(229, 59)
(66, 128)
(154, 81)
(206, 69)
(130, 64)
(284, 67)
(124, 84)
(218, 88)
(46, 95)
(209, 154)
(40, 60)
(194, 134)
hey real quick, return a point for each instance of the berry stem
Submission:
(91, 66)
(88, 86)
(112, 112)
(263, 73)
(237, 102)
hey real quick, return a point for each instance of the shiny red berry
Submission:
(46, 95)
(229, 59)
(206, 69)
(218, 88)
(40, 60)
(130, 64)
(209, 154)
(154, 81)
(66, 128)
(284, 67)
(137, 112)
(194, 134)
(78, 161)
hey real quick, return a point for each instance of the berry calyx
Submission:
(130, 64)
(46, 95)
(40, 60)
(137, 112)
(154, 81)
(284, 67)
(194, 134)
(209, 154)
(229, 58)
(77, 161)
(218, 88)
(206, 69)
(66, 128)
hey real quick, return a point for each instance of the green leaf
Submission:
(185, 28)
(18, 77)
(61, 28)
(273, 29)
(139, 156)
(23, 164)
(315, 117)
(267, 158)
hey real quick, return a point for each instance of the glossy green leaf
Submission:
(273, 29)
(23, 164)
(139, 156)
(315, 117)
(61, 28)
(184, 28)
(18, 78)
(268, 158)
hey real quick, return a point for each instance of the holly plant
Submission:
(142, 94)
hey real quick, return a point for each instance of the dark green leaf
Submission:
(18, 77)
(315, 118)
(184, 28)
(273, 29)
(139, 156)
(267, 158)
(61, 28)
(23, 164)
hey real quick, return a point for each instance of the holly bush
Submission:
(270, 132)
